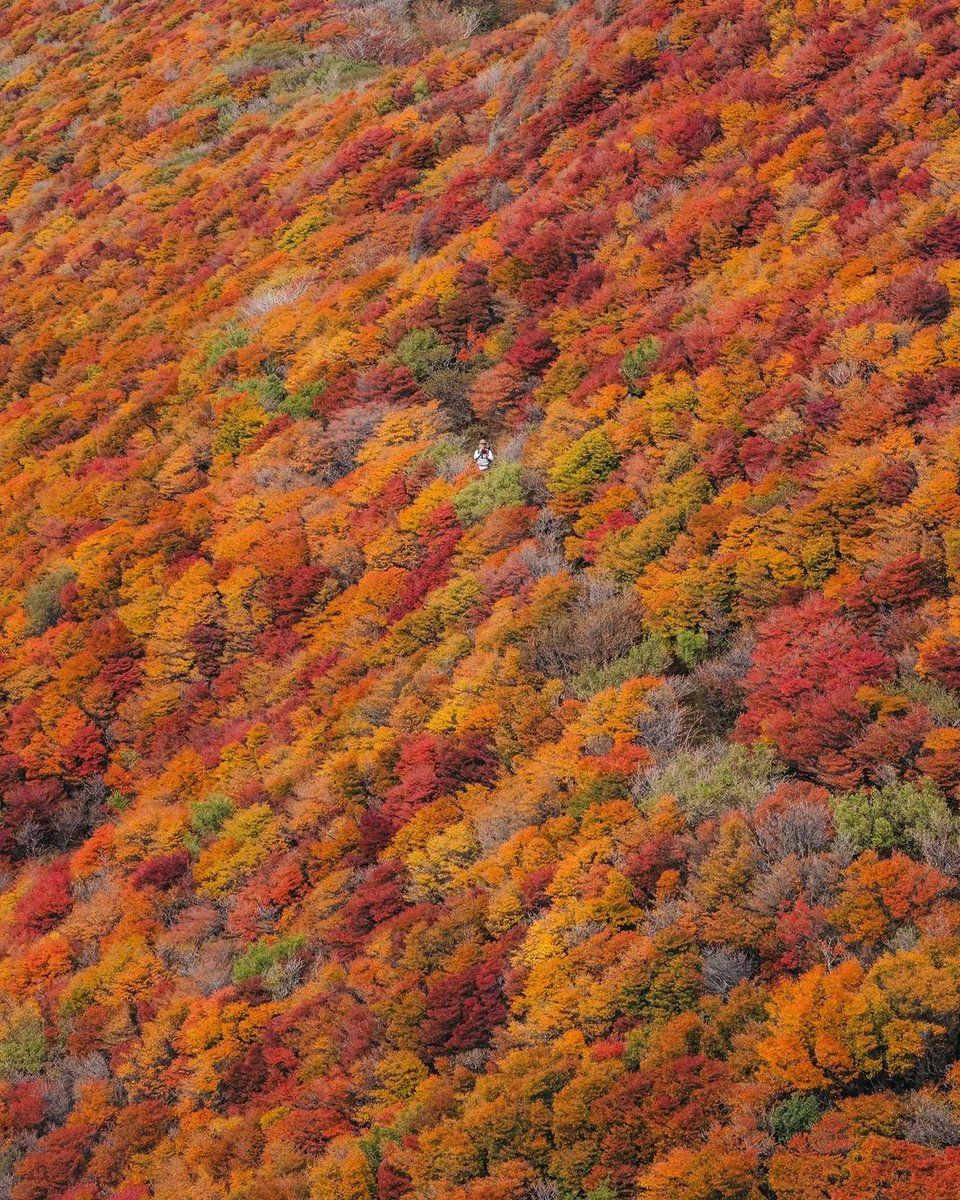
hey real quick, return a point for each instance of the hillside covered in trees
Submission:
(370, 828)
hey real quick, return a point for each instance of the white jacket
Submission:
(483, 458)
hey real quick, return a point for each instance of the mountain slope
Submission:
(372, 828)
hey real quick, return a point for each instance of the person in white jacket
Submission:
(483, 456)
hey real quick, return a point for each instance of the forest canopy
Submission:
(371, 827)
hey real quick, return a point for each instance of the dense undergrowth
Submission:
(369, 828)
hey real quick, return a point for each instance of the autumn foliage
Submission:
(370, 828)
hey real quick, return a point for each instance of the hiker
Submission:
(483, 456)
